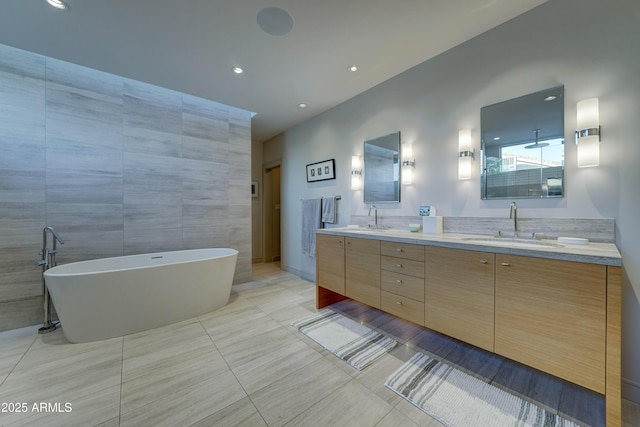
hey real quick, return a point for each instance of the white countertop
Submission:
(593, 253)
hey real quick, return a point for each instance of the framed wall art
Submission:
(321, 171)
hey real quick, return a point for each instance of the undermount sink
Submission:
(512, 242)
(366, 230)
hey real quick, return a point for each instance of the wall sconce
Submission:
(356, 172)
(408, 163)
(466, 155)
(588, 133)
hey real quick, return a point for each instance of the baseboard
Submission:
(631, 390)
(306, 276)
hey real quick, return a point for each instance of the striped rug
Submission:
(352, 342)
(457, 399)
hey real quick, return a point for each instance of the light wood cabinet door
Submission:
(403, 250)
(362, 270)
(403, 266)
(401, 284)
(403, 307)
(551, 315)
(330, 262)
(459, 294)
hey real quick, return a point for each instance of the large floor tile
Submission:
(170, 375)
(238, 353)
(87, 376)
(352, 405)
(396, 418)
(296, 392)
(100, 408)
(272, 365)
(233, 327)
(14, 344)
(240, 413)
(188, 405)
(145, 353)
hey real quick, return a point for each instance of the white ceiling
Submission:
(191, 45)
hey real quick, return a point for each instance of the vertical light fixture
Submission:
(465, 154)
(408, 163)
(58, 4)
(588, 133)
(356, 172)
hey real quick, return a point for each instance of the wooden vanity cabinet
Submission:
(402, 280)
(552, 315)
(561, 317)
(459, 294)
(362, 270)
(329, 269)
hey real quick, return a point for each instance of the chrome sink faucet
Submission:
(375, 211)
(513, 214)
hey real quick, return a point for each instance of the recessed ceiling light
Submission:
(497, 138)
(550, 98)
(238, 70)
(302, 105)
(58, 4)
(353, 68)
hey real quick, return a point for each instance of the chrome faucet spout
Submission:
(375, 211)
(513, 214)
(53, 232)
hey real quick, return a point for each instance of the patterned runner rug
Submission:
(352, 342)
(457, 399)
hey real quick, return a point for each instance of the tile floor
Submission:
(242, 365)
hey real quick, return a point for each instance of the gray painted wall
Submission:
(589, 46)
(117, 167)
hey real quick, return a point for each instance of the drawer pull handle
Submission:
(399, 250)
(399, 281)
(483, 261)
(399, 265)
(398, 302)
(506, 264)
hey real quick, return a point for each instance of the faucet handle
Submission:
(538, 236)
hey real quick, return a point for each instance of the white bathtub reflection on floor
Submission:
(111, 297)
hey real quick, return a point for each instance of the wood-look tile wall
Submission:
(117, 166)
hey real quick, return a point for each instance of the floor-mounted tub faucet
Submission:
(513, 214)
(48, 260)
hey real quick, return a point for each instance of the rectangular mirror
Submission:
(522, 143)
(382, 169)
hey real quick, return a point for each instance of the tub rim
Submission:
(53, 273)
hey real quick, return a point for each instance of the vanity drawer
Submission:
(402, 266)
(403, 250)
(403, 307)
(403, 285)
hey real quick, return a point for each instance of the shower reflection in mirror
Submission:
(523, 146)
(382, 169)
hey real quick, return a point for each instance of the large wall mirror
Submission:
(382, 169)
(523, 146)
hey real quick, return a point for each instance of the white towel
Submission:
(329, 211)
(311, 221)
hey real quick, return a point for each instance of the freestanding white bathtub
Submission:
(111, 297)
